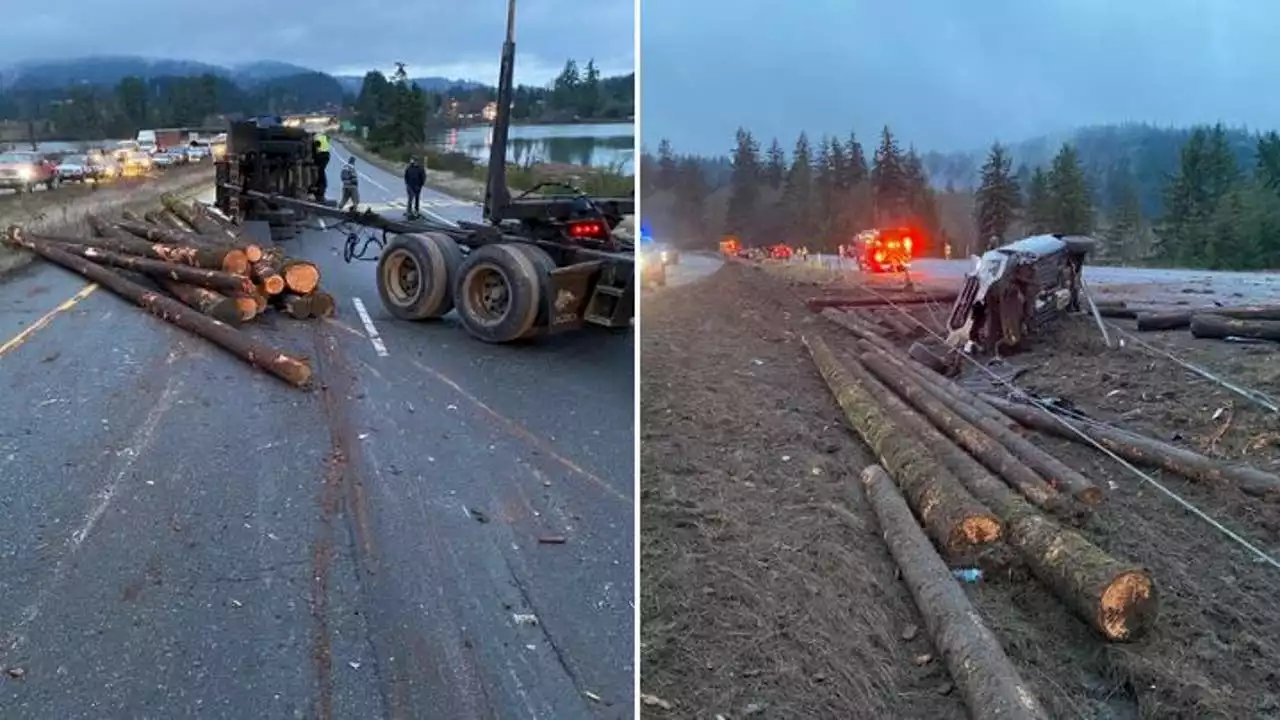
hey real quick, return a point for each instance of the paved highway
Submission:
(183, 536)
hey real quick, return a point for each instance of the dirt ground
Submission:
(761, 600)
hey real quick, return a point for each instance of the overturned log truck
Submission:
(544, 261)
(1015, 290)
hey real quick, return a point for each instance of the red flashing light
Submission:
(590, 229)
(906, 244)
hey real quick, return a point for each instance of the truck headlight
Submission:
(26, 173)
(664, 257)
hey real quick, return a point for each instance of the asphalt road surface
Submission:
(183, 536)
(692, 267)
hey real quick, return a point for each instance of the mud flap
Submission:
(569, 290)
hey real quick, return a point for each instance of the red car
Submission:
(24, 170)
(780, 252)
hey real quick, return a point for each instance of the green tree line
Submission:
(97, 113)
(818, 195)
(1217, 212)
(94, 113)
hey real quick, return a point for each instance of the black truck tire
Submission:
(542, 260)
(501, 266)
(435, 259)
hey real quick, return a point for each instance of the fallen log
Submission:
(195, 257)
(954, 519)
(859, 327)
(175, 222)
(1161, 321)
(817, 304)
(211, 279)
(266, 273)
(232, 260)
(1008, 454)
(1142, 450)
(322, 304)
(300, 276)
(1218, 327)
(978, 665)
(298, 307)
(292, 370)
(1117, 313)
(995, 456)
(1116, 598)
(1247, 312)
(205, 225)
(215, 305)
(248, 306)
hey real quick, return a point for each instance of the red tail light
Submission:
(588, 229)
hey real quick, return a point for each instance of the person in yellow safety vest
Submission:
(322, 163)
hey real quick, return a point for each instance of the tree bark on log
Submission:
(297, 307)
(215, 305)
(1013, 456)
(1117, 312)
(175, 222)
(1050, 550)
(177, 254)
(982, 446)
(210, 279)
(954, 519)
(991, 686)
(206, 226)
(292, 370)
(232, 260)
(1142, 450)
(1161, 321)
(1217, 327)
(817, 304)
(1248, 312)
(859, 327)
(322, 304)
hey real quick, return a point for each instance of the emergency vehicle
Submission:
(884, 250)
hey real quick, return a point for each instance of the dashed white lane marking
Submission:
(374, 338)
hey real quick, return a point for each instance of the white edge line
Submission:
(374, 338)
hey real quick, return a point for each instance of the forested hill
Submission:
(1150, 153)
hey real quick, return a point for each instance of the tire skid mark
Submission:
(343, 489)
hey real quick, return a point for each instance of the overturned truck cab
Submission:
(1016, 289)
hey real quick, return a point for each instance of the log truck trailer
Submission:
(539, 263)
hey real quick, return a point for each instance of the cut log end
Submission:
(236, 263)
(247, 306)
(978, 530)
(252, 252)
(1091, 496)
(1128, 606)
(301, 278)
(272, 285)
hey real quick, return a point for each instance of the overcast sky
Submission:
(450, 38)
(950, 75)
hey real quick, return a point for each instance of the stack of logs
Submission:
(1215, 323)
(188, 257)
(977, 487)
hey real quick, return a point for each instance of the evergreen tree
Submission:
(1072, 203)
(888, 181)
(744, 186)
(856, 164)
(775, 170)
(691, 193)
(998, 197)
(1039, 204)
(797, 192)
(667, 166)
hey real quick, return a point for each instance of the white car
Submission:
(74, 168)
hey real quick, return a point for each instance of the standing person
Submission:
(350, 186)
(415, 176)
(322, 164)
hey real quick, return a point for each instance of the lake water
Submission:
(596, 145)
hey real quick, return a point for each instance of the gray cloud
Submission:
(436, 37)
(950, 75)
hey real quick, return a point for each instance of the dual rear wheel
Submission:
(497, 290)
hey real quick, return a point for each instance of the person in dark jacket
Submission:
(415, 176)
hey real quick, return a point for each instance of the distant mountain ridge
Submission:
(108, 70)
